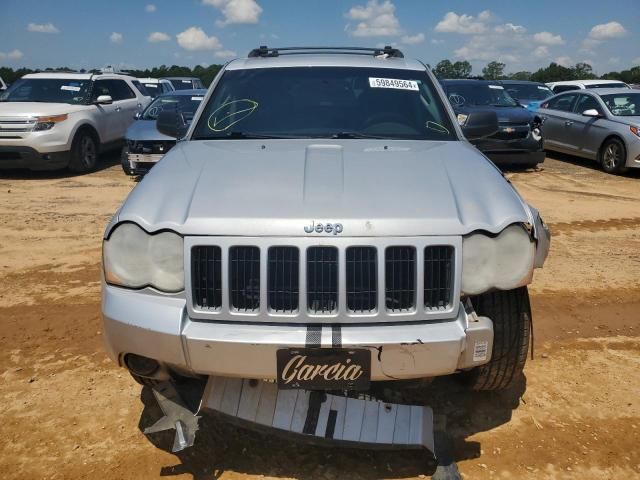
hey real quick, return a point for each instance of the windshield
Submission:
(623, 104)
(325, 102)
(528, 91)
(152, 89)
(187, 104)
(479, 94)
(607, 85)
(47, 90)
(179, 84)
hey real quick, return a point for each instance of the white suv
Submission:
(50, 121)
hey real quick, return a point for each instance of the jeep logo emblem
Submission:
(334, 228)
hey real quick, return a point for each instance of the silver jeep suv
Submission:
(323, 224)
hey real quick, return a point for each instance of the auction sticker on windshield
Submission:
(393, 83)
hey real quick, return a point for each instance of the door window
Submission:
(587, 102)
(116, 89)
(564, 103)
(565, 88)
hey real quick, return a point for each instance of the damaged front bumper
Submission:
(158, 327)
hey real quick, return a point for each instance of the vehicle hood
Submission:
(506, 115)
(142, 130)
(277, 187)
(36, 109)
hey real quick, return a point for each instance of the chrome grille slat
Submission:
(400, 278)
(244, 271)
(438, 283)
(362, 279)
(322, 280)
(283, 285)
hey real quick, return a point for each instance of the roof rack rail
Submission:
(264, 51)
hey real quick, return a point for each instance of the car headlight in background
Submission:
(46, 123)
(635, 130)
(503, 262)
(135, 259)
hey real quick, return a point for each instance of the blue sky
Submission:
(132, 33)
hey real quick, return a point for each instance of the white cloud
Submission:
(116, 38)
(614, 60)
(464, 24)
(548, 38)
(156, 37)
(564, 61)
(413, 39)
(605, 31)
(43, 28)
(509, 28)
(12, 55)
(194, 38)
(236, 11)
(541, 51)
(635, 61)
(437, 41)
(225, 54)
(375, 19)
(150, 8)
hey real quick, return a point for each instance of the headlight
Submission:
(46, 123)
(133, 258)
(503, 262)
(635, 130)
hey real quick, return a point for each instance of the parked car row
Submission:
(50, 121)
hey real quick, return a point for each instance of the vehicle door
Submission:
(105, 117)
(127, 104)
(587, 133)
(556, 121)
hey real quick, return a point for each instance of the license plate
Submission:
(324, 368)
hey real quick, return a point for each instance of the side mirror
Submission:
(171, 123)
(104, 100)
(479, 124)
(592, 112)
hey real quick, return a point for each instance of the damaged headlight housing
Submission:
(504, 261)
(134, 258)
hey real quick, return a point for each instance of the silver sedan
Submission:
(602, 125)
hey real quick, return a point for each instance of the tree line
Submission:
(552, 73)
(444, 69)
(206, 74)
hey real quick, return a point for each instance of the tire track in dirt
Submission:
(595, 225)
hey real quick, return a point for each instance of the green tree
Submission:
(446, 69)
(524, 75)
(461, 69)
(493, 71)
(583, 71)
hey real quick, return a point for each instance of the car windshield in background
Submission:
(182, 84)
(325, 102)
(152, 89)
(479, 94)
(623, 104)
(186, 104)
(527, 91)
(47, 90)
(607, 85)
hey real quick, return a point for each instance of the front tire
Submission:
(510, 312)
(613, 156)
(124, 161)
(84, 153)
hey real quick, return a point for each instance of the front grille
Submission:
(16, 124)
(303, 281)
(244, 278)
(400, 278)
(519, 133)
(150, 147)
(438, 276)
(206, 277)
(362, 279)
(322, 279)
(283, 280)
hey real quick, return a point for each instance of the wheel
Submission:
(124, 161)
(613, 156)
(84, 153)
(510, 312)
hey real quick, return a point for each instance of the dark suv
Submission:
(518, 139)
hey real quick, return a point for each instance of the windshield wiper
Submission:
(249, 136)
(340, 135)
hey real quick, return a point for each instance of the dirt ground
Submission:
(67, 412)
